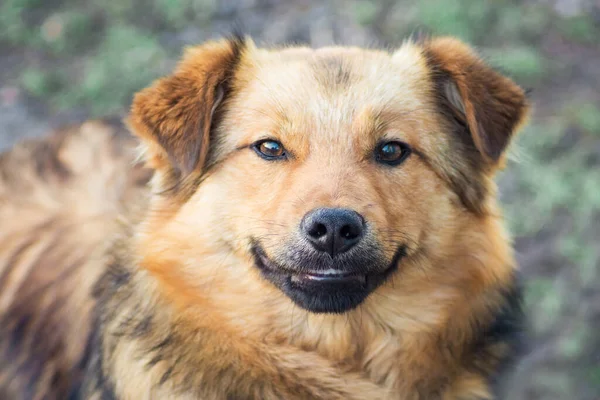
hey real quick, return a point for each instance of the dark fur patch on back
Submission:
(96, 381)
(507, 329)
(510, 326)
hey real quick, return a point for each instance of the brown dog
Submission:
(321, 224)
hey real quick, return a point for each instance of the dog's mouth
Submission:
(330, 290)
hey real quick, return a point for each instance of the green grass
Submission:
(581, 28)
(365, 12)
(125, 62)
(178, 13)
(525, 63)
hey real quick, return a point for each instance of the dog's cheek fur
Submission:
(481, 108)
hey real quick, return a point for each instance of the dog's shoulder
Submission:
(62, 198)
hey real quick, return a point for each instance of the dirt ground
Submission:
(66, 60)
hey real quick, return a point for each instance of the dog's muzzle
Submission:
(332, 265)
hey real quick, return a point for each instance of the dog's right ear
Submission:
(173, 117)
(491, 106)
(484, 110)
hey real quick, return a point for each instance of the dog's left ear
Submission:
(488, 104)
(173, 117)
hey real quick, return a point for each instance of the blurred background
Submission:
(67, 60)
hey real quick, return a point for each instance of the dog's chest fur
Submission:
(142, 348)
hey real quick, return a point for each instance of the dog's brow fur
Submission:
(169, 277)
(332, 73)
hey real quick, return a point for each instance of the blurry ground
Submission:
(64, 60)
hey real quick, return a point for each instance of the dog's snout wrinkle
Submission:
(332, 230)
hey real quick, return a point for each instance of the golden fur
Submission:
(183, 312)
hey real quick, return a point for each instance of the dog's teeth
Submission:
(331, 271)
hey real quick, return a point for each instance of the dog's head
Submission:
(323, 171)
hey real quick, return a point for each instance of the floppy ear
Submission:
(173, 117)
(489, 105)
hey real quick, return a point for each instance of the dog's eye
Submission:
(270, 149)
(392, 153)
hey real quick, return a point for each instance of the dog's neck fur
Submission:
(241, 344)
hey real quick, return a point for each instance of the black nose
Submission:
(332, 230)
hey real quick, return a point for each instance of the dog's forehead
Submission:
(335, 83)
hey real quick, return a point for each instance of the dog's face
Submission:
(323, 171)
